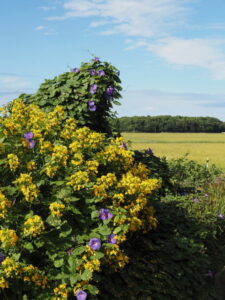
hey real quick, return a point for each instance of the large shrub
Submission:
(87, 94)
(70, 198)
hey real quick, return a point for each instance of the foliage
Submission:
(169, 124)
(87, 94)
(188, 175)
(176, 261)
(70, 198)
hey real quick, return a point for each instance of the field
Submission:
(200, 146)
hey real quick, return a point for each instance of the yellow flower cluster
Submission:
(78, 180)
(54, 118)
(13, 161)
(31, 273)
(26, 186)
(92, 166)
(59, 154)
(56, 208)
(33, 226)
(10, 267)
(78, 159)
(116, 257)
(69, 129)
(4, 205)
(31, 165)
(4, 284)
(8, 238)
(61, 292)
(103, 183)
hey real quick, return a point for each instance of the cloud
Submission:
(47, 8)
(41, 27)
(154, 102)
(146, 18)
(12, 82)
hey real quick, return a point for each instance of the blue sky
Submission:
(171, 53)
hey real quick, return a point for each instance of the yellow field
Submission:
(200, 146)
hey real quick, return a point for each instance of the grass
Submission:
(200, 146)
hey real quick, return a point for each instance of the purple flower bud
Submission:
(75, 70)
(93, 88)
(220, 216)
(81, 295)
(124, 145)
(104, 214)
(101, 73)
(96, 59)
(109, 92)
(95, 244)
(92, 106)
(149, 151)
(28, 135)
(209, 274)
(31, 144)
(111, 239)
(2, 257)
(92, 72)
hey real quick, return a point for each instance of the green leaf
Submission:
(28, 246)
(79, 250)
(58, 262)
(87, 274)
(104, 230)
(117, 229)
(94, 214)
(65, 230)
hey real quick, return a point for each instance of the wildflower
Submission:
(2, 257)
(75, 70)
(104, 214)
(220, 216)
(111, 239)
(93, 88)
(81, 295)
(95, 244)
(149, 151)
(92, 72)
(101, 73)
(209, 273)
(109, 91)
(92, 106)
(31, 144)
(28, 135)
(124, 146)
(96, 59)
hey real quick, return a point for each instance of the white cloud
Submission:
(47, 8)
(41, 27)
(12, 82)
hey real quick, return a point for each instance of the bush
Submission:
(87, 94)
(70, 198)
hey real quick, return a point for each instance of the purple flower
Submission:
(109, 91)
(104, 214)
(2, 257)
(196, 200)
(92, 106)
(96, 59)
(28, 135)
(92, 72)
(95, 244)
(93, 88)
(75, 70)
(101, 73)
(81, 295)
(149, 151)
(209, 274)
(124, 145)
(31, 144)
(111, 239)
(220, 216)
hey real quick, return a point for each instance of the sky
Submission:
(170, 53)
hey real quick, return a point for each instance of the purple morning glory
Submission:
(220, 216)
(93, 88)
(28, 135)
(31, 144)
(96, 59)
(81, 295)
(75, 70)
(109, 91)
(95, 244)
(149, 151)
(111, 239)
(101, 73)
(2, 257)
(92, 72)
(104, 214)
(91, 105)
(124, 145)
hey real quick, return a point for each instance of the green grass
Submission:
(200, 146)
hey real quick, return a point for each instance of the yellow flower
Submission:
(13, 161)
(31, 165)
(33, 226)
(56, 208)
(4, 204)
(78, 180)
(3, 283)
(61, 291)
(8, 238)
(26, 186)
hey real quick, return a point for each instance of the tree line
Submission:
(168, 124)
